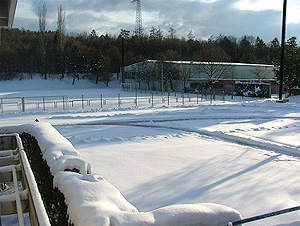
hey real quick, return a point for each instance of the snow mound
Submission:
(93, 201)
(58, 152)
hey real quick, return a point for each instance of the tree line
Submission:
(39, 52)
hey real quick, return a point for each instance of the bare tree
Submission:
(42, 17)
(172, 33)
(215, 71)
(42, 25)
(185, 74)
(170, 73)
(190, 35)
(61, 37)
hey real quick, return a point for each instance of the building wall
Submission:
(7, 12)
(234, 72)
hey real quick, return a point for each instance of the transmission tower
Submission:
(138, 22)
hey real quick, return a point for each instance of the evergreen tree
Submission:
(292, 64)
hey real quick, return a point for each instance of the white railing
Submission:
(19, 191)
(56, 103)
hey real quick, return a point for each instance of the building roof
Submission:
(7, 12)
(202, 62)
(236, 71)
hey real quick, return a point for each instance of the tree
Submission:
(145, 70)
(230, 46)
(172, 33)
(140, 69)
(42, 26)
(215, 71)
(274, 50)
(190, 35)
(76, 57)
(291, 71)
(61, 39)
(170, 73)
(106, 75)
(170, 55)
(246, 49)
(261, 51)
(42, 17)
(185, 75)
(96, 65)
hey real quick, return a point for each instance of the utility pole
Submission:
(281, 72)
(138, 21)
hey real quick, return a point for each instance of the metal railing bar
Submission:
(263, 216)
(18, 198)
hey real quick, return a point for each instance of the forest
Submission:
(53, 52)
(25, 51)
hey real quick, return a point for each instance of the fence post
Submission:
(183, 98)
(198, 97)
(23, 104)
(44, 107)
(168, 98)
(136, 99)
(119, 101)
(1, 105)
(101, 101)
(82, 103)
(152, 99)
(63, 102)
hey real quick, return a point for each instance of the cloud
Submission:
(293, 7)
(204, 17)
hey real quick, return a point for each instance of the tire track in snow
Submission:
(216, 135)
(250, 142)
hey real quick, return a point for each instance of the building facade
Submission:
(7, 12)
(190, 76)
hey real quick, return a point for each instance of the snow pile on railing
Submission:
(58, 152)
(93, 201)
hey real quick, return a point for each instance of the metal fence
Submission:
(139, 98)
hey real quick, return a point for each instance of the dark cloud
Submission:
(203, 18)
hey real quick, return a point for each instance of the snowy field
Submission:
(243, 153)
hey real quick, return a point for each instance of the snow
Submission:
(58, 152)
(165, 160)
(94, 201)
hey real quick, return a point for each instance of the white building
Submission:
(191, 76)
(7, 12)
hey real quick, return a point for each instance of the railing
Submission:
(19, 192)
(264, 216)
(51, 103)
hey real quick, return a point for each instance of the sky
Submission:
(205, 18)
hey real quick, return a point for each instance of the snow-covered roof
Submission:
(205, 62)
(233, 70)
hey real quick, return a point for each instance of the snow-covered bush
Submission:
(252, 89)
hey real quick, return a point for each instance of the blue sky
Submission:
(204, 18)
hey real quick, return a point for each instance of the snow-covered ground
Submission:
(243, 153)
